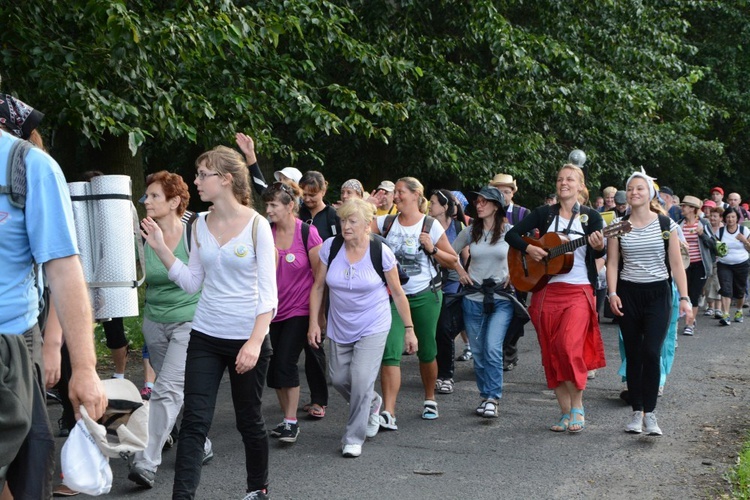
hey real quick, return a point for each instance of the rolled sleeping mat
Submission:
(80, 198)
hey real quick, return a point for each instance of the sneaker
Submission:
(207, 456)
(351, 450)
(373, 421)
(289, 433)
(466, 355)
(718, 314)
(650, 425)
(480, 408)
(709, 312)
(146, 393)
(591, 375)
(490, 408)
(661, 391)
(688, 330)
(256, 495)
(738, 317)
(635, 426)
(724, 321)
(388, 421)
(141, 476)
(276, 431)
(429, 410)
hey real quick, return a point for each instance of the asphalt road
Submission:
(704, 416)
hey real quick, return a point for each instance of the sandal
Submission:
(490, 409)
(562, 425)
(573, 421)
(430, 410)
(316, 411)
(446, 386)
(480, 408)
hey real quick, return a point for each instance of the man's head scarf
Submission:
(18, 117)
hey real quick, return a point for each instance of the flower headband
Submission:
(649, 182)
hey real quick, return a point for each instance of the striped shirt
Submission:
(691, 236)
(642, 251)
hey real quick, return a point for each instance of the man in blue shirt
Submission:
(37, 231)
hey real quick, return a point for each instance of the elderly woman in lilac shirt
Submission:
(359, 317)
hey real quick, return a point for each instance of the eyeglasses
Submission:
(481, 201)
(202, 175)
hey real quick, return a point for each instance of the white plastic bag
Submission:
(84, 466)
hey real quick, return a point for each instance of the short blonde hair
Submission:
(609, 191)
(358, 207)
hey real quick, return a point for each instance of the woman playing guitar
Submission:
(563, 312)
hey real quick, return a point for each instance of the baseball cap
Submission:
(717, 188)
(288, 172)
(620, 198)
(386, 186)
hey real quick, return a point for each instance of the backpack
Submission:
(15, 188)
(376, 256)
(437, 281)
(721, 231)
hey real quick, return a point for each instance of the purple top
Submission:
(359, 304)
(294, 276)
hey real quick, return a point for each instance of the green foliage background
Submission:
(449, 91)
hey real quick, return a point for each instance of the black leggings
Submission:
(646, 308)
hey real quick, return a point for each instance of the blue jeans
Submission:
(486, 333)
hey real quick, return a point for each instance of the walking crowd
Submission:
(355, 286)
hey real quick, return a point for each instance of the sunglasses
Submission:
(280, 186)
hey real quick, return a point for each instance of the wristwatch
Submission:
(686, 299)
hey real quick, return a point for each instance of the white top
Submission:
(736, 251)
(239, 283)
(643, 254)
(578, 275)
(404, 240)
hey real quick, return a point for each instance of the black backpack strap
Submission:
(305, 236)
(189, 229)
(388, 224)
(664, 224)
(376, 256)
(338, 242)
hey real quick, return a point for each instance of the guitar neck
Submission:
(566, 247)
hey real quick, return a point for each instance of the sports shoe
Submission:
(490, 408)
(724, 321)
(388, 421)
(289, 433)
(688, 330)
(207, 456)
(466, 355)
(351, 450)
(591, 375)
(649, 424)
(146, 393)
(718, 314)
(429, 410)
(635, 426)
(709, 312)
(738, 317)
(373, 421)
(661, 391)
(276, 431)
(256, 495)
(142, 477)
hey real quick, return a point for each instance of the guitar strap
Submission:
(566, 231)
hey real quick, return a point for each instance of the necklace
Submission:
(487, 232)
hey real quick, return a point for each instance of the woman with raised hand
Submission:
(359, 317)
(564, 311)
(488, 307)
(167, 321)
(640, 294)
(298, 245)
(732, 268)
(233, 258)
(419, 245)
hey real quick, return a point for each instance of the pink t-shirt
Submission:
(294, 276)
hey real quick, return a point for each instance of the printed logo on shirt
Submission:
(406, 248)
(241, 250)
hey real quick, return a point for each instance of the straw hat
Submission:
(504, 180)
(691, 201)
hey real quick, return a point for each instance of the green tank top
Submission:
(165, 301)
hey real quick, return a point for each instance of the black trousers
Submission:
(646, 308)
(450, 323)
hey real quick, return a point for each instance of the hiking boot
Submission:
(635, 426)
(289, 433)
(649, 424)
(142, 477)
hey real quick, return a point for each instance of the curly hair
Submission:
(173, 185)
(224, 160)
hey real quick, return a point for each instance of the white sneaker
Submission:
(373, 422)
(635, 426)
(650, 425)
(351, 450)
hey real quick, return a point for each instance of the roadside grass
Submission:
(739, 476)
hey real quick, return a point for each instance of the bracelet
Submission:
(612, 294)
(434, 250)
(686, 299)
(410, 326)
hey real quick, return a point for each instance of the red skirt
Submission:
(567, 326)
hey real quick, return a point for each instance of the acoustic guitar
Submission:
(528, 275)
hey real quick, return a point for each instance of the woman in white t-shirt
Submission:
(641, 296)
(233, 258)
(416, 240)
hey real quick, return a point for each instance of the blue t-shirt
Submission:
(43, 233)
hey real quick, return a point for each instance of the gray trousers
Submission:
(167, 346)
(353, 369)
